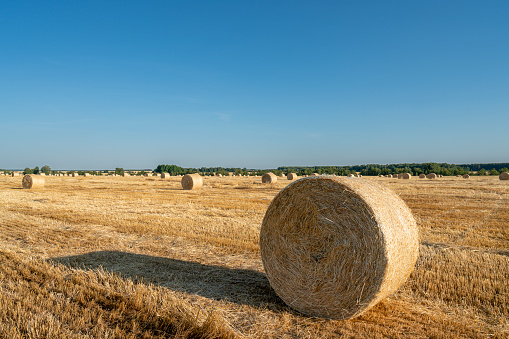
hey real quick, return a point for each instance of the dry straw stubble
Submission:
(269, 178)
(333, 247)
(31, 181)
(192, 181)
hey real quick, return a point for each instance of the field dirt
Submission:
(138, 257)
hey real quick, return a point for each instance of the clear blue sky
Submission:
(257, 84)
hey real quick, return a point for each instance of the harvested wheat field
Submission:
(114, 257)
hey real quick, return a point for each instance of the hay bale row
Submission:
(269, 178)
(334, 247)
(32, 181)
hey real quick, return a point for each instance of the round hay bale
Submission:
(406, 176)
(351, 175)
(165, 175)
(422, 176)
(431, 176)
(504, 176)
(400, 175)
(86, 174)
(30, 181)
(292, 176)
(282, 175)
(126, 174)
(314, 174)
(466, 176)
(395, 176)
(192, 181)
(333, 247)
(269, 178)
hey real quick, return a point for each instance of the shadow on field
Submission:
(241, 286)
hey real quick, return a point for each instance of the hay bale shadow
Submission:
(241, 286)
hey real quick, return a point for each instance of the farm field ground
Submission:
(114, 257)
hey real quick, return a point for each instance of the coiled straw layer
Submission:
(269, 178)
(334, 247)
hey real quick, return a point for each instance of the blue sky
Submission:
(256, 84)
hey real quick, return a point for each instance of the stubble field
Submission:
(113, 257)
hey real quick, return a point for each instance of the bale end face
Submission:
(333, 247)
(504, 176)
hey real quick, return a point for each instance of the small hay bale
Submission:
(126, 174)
(314, 174)
(422, 176)
(333, 247)
(192, 181)
(292, 176)
(504, 176)
(400, 175)
(75, 174)
(395, 176)
(165, 176)
(406, 176)
(86, 174)
(269, 178)
(351, 175)
(30, 181)
(146, 174)
(282, 175)
(466, 176)
(431, 176)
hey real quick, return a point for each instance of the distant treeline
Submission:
(368, 170)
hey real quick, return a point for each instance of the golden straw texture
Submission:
(504, 176)
(431, 176)
(406, 176)
(165, 176)
(192, 181)
(292, 176)
(32, 181)
(269, 178)
(333, 247)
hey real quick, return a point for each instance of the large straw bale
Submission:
(406, 176)
(32, 181)
(431, 176)
(192, 181)
(504, 176)
(333, 247)
(292, 176)
(466, 176)
(269, 178)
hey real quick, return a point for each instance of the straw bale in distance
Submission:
(75, 174)
(351, 175)
(282, 175)
(406, 176)
(466, 176)
(422, 176)
(269, 178)
(431, 176)
(192, 181)
(291, 176)
(165, 175)
(333, 247)
(314, 174)
(395, 176)
(504, 176)
(30, 181)
(400, 175)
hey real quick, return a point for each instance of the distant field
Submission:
(140, 257)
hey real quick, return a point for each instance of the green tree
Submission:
(46, 169)
(28, 171)
(119, 171)
(36, 170)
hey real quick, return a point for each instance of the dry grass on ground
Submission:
(114, 257)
